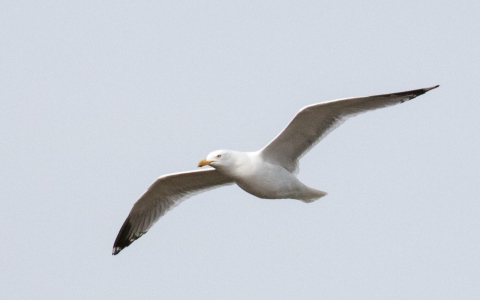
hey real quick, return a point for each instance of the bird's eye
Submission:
(219, 155)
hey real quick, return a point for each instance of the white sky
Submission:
(97, 100)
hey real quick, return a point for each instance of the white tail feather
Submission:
(309, 195)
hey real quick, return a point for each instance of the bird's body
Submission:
(264, 179)
(269, 173)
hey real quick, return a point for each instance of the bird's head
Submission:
(219, 158)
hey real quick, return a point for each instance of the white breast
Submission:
(266, 180)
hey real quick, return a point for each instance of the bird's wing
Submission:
(164, 194)
(314, 122)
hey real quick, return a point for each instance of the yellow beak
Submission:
(204, 162)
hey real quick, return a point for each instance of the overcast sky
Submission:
(99, 99)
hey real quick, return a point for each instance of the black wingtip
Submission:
(414, 93)
(419, 92)
(431, 88)
(423, 91)
(122, 241)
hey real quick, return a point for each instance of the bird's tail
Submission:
(310, 195)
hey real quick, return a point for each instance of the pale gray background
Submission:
(97, 100)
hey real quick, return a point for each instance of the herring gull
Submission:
(268, 173)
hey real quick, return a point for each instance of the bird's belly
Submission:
(270, 184)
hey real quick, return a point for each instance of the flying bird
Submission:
(269, 173)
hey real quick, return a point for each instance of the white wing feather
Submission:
(164, 194)
(314, 122)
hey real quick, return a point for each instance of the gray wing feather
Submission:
(314, 122)
(164, 194)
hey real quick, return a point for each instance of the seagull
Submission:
(269, 173)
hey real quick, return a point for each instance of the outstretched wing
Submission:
(314, 122)
(164, 194)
